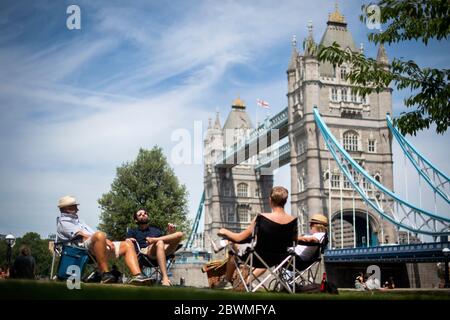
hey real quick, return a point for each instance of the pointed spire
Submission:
(309, 44)
(382, 57)
(292, 62)
(310, 29)
(209, 123)
(361, 48)
(238, 103)
(336, 16)
(217, 122)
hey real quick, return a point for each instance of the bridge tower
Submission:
(233, 196)
(358, 123)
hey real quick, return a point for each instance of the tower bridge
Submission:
(339, 148)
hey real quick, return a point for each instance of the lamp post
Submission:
(446, 253)
(10, 241)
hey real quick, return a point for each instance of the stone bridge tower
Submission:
(358, 122)
(233, 196)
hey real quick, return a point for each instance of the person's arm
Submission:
(67, 230)
(237, 237)
(165, 238)
(311, 239)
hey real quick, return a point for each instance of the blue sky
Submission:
(76, 104)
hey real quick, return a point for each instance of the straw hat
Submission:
(67, 201)
(319, 218)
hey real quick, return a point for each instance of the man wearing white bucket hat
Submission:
(70, 226)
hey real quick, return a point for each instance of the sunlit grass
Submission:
(15, 289)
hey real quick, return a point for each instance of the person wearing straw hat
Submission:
(318, 224)
(70, 226)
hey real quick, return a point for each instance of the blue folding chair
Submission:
(71, 254)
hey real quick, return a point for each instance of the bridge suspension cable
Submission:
(437, 180)
(387, 204)
(194, 229)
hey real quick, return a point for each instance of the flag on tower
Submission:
(263, 104)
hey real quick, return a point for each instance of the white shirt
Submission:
(307, 253)
(69, 225)
(373, 283)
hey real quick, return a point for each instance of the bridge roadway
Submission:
(405, 253)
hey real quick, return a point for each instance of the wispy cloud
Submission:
(77, 104)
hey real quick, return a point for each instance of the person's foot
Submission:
(108, 277)
(166, 283)
(224, 284)
(139, 279)
(217, 248)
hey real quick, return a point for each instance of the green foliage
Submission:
(405, 20)
(411, 20)
(149, 183)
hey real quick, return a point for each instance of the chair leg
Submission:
(53, 265)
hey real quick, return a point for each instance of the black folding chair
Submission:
(269, 249)
(150, 266)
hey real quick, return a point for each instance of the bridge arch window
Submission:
(372, 146)
(231, 216)
(301, 184)
(242, 190)
(335, 181)
(243, 213)
(300, 147)
(343, 72)
(363, 99)
(344, 95)
(351, 140)
(227, 191)
(334, 94)
(377, 177)
(353, 96)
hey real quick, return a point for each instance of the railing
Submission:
(395, 253)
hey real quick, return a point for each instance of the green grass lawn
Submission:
(22, 289)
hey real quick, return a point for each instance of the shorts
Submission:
(146, 252)
(88, 244)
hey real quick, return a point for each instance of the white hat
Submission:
(319, 219)
(67, 201)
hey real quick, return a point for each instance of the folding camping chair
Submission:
(70, 253)
(305, 272)
(150, 266)
(268, 249)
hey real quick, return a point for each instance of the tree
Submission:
(148, 182)
(404, 20)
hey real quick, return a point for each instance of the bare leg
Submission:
(230, 268)
(127, 250)
(158, 249)
(256, 273)
(99, 250)
(173, 243)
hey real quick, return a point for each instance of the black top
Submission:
(273, 240)
(23, 267)
(140, 235)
